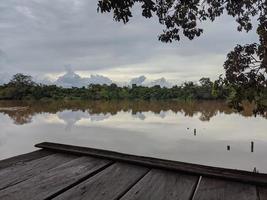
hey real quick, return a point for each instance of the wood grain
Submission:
(16, 160)
(109, 184)
(54, 181)
(214, 189)
(18, 173)
(163, 185)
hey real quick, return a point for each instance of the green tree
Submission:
(205, 89)
(21, 80)
(19, 87)
(246, 65)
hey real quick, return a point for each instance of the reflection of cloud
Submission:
(72, 117)
(53, 119)
(99, 117)
(162, 114)
(139, 115)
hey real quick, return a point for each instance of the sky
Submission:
(40, 37)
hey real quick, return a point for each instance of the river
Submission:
(206, 132)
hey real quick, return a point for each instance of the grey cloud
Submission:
(4, 78)
(40, 37)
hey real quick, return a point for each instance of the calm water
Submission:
(157, 129)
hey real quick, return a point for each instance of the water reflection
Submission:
(72, 117)
(139, 115)
(100, 110)
(208, 133)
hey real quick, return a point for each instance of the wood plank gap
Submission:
(196, 188)
(79, 181)
(11, 185)
(130, 187)
(18, 173)
(258, 193)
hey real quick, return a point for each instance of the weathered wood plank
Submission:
(234, 175)
(18, 173)
(211, 189)
(109, 184)
(24, 158)
(163, 185)
(262, 193)
(54, 181)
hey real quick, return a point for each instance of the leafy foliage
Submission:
(184, 16)
(246, 65)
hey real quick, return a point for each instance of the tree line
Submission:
(22, 87)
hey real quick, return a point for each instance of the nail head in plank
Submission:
(54, 181)
(24, 158)
(163, 185)
(201, 170)
(110, 184)
(210, 189)
(18, 173)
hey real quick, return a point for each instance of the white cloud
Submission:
(71, 79)
(162, 82)
(137, 81)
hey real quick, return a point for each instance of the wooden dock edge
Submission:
(200, 170)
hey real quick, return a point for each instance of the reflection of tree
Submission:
(70, 118)
(210, 110)
(19, 116)
(206, 109)
(206, 116)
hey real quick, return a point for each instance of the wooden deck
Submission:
(60, 171)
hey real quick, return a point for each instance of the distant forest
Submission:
(22, 87)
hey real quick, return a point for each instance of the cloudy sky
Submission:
(40, 37)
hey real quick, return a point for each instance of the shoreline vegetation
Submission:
(22, 87)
